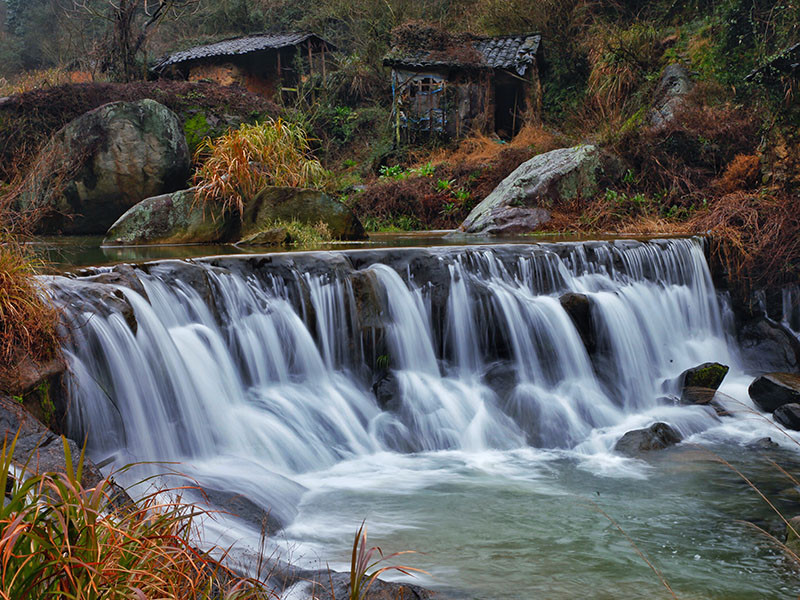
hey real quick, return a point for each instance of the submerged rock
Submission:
(699, 384)
(765, 443)
(104, 162)
(771, 391)
(387, 392)
(277, 236)
(788, 415)
(337, 585)
(656, 437)
(177, 218)
(522, 200)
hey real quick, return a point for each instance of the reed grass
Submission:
(59, 539)
(239, 164)
(364, 565)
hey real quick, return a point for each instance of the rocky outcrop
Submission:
(699, 384)
(104, 162)
(656, 437)
(309, 207)
(387, 392)
(769, 346)
(522, 200)
(773, 390)
(37, 446)
(788, 415)
(670, 95)
(177, 218)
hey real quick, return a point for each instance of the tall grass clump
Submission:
(239, 164)
(364, 565)
(59, 539)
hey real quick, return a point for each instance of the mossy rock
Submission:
(306, 206)
(541, 184)
(104, 162)
(699, 384)
(178, 218)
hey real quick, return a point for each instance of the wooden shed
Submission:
(260, 63)
(488, 84)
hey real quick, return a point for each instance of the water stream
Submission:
(493, 452)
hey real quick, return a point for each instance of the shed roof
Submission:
(241, 45)
(784, 63)
(512, 52)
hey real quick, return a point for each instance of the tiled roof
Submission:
(784, 63)
(512, 52)
(240, 45)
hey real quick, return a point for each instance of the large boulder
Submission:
(309, 207)
(699, 384)
(670, 96)
(521, 202)
(177, 218)
(104, 162)
(656, 437)
(788, 415)
(771, 391)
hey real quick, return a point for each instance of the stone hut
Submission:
(260, 63)
(488, 84)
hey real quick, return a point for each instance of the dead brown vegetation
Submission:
(757, 237)
(684, 157)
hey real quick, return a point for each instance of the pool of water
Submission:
(64, 253)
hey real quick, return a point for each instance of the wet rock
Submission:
(699, 384)
(387, 392)
(764, 443)
(771, 391)
(670, 96)
(104, 162)
(579, 308)
(656, 437)
(788, 416)
(40, 448)
(522, 200)
(91, 297)
(337, 585)
(501, 378)
(769, 346)
(793, 535)
(309, 207)
(177, 218)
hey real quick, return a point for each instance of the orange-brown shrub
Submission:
(741, 174)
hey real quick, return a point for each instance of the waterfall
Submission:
(249, 372)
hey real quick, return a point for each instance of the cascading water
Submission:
(256, 377)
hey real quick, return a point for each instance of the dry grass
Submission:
(239, 164)
(59, 539)
(480, 148)
(42, 79)
(741, 174)
(27, 321)
(757, 236)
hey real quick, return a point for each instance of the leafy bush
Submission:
(239, 164)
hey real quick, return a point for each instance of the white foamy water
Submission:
(255, 383)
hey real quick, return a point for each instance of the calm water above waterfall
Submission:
(491, 450)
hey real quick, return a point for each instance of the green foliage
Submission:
(364, 565)
(196, 129)
(393, 224)
(444, 185)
